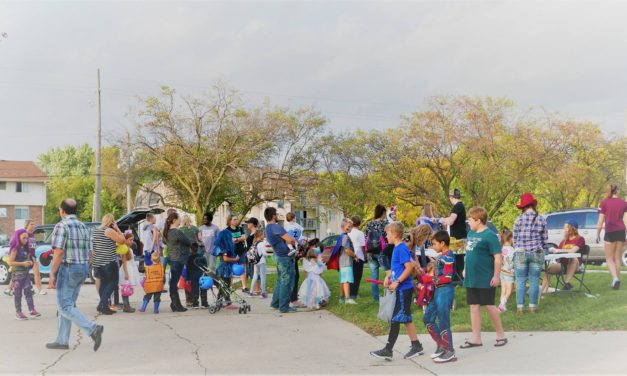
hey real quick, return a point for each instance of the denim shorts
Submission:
(507, 278)
(346, 274)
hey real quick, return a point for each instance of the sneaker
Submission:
(34, 313)
(263, 295)
(251, 294)
(245, 289)
(291, 310)
(342, 301)
(317, 307)
(8, 292)
(439, 351)
(447, 356)
(20, 316)
(57, 346)
(616, 285)
(414, 351)
(502, 308)
(350, 301)
(205, 305)
(384, 353)
(567, 286)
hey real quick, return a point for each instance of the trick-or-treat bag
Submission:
(386, 306)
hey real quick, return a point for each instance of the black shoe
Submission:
(384, 353)
(447, 356)
(414, 351)
(97, 336)
(439, 351)
(245, 289)
(173, 307)
(57, 346)
(107, 311)
(616, 285)
(567, 287)
(205, 305)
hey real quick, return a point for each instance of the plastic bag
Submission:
(386, 306)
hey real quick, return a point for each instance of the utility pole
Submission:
(128, 172)
(96, 212)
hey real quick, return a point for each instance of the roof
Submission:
(21, 171)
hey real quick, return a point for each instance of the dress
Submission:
(313, 290)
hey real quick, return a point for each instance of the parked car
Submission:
(587, 219)
(43, 239)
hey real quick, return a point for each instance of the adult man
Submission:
(457, 220)
(278, 239)
(208, 234)
(70, 268)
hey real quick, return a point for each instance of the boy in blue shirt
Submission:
(400, 281)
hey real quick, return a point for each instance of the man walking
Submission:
(70, 268)
(278, 239)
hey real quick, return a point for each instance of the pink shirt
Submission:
(614, 209)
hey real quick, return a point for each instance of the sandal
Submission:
(500, 342)
(468, 345)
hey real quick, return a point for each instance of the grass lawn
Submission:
(562, 311)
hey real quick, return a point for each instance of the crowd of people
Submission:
(510, 258)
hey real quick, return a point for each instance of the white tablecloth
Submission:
(556, 256)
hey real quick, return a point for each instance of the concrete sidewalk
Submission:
(264, 342)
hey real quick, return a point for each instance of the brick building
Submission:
(22, 195)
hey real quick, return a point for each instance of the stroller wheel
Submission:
(248, 308)
(212, 310)
(239, 310)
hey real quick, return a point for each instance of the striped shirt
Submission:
(72, 236)
(103, 247)
(530, 232)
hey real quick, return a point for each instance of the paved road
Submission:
(264, 342)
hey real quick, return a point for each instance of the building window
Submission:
(21, 187)
(21, 213)
(3, 212)
(3, 185)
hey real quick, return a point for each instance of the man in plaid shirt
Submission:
(70, 268)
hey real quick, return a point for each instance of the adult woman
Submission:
(239, 239)
(104, 259)
(572, 243)
(375, 243)
(613, 212)
(426, 215)
(189, 229)
(178, 253)
(530, 237)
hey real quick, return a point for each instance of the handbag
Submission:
(386, 306)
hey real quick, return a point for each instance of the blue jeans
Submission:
(284, 283)
(69, 281)
(440, 308)
(109, 276)
(374, 262)
(527, 266)
(176, 270)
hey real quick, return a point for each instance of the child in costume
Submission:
(314, 291)
(21, 260)
(153, 284)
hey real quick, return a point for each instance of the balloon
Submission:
(205, 282)
(237, 270)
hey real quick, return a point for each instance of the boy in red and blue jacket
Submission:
(440, 306)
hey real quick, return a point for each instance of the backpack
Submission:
(375, 240)
(252, 255)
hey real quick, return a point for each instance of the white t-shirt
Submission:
(294, 229)
(147, 236)
(359, 243)
(209, 235)
(261, 250)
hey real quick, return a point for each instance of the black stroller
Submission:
(227, 295)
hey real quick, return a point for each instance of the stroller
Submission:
(209, 280)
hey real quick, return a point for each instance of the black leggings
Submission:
(294, 295)
(395, 328)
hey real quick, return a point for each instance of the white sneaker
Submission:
(43, 292)
(350, 301)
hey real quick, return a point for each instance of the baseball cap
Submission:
(455, 193)
(573, 223)
(253, 221)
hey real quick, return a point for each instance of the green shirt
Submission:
(480, 250)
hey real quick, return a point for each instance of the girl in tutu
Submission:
(314, 291)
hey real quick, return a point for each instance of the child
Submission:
(155, 280)
(225, 249)
(400, 282)
(347, 255)
(507, 269)
(259, 263)
(21, 260)
(440, 306)
(193, 275)
(313, 292)
(483, 267)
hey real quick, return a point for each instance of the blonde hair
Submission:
(229, 218)
(107, 220)
(419, 235)
(506, 237)
(186, 221)
(28, 222)
(427, 210)
(478, 213)
(572, 231)
(396, 227)
(345, 222)
(259, 235)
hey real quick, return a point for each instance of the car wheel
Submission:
(624, 258)
(5, 275)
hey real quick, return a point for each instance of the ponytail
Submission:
(168, 223)
(612, 191)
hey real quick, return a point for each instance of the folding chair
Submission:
(580, 273)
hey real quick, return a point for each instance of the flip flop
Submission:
(500, 342)
(468, 345)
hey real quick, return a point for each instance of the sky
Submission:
(361, 64)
